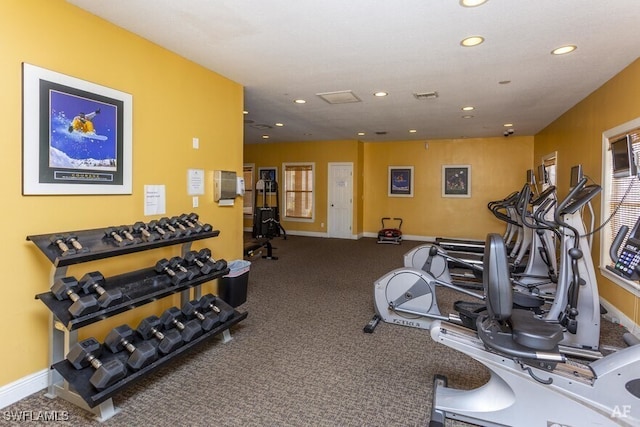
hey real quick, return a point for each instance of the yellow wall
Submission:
(498, 167)
(322, 153)
(577, 137)
(174, 100)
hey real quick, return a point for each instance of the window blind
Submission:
(298, 184)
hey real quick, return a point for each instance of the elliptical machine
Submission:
(406, 296)
(541, 267)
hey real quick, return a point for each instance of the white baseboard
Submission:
(307, 233)
(26, 386)
(616, 316)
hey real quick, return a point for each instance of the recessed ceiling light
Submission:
(563, 49)
(279, 124)
(265, 136)
(245, 112)
(472, 3)
(412, 131)
(507, 125)
(380, 94)
(467, 117)
(360, 133)
(300, 101)
(472, 41)
(468, 108)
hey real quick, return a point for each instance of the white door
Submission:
(340, 203)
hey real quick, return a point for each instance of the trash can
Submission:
(232, 288)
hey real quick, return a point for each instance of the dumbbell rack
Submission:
(138, 288)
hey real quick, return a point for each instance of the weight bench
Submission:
(252, 246)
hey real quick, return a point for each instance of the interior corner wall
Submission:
(360, 190)
(498, 168)
(577, 138)
(265, 155)
(174, 100)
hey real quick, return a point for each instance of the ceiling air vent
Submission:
(339, 97)
(261, 126)
(426, 95)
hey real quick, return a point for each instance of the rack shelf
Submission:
(137, 287)
(79, 379)
(100, 247)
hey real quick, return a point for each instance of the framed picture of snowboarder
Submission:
(456, 181)
(76, 135)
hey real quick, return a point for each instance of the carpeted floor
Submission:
(300, 358)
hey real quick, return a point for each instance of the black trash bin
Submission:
(233, 287)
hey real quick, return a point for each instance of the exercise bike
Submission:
(531, 382)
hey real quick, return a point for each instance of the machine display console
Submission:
(629, 257)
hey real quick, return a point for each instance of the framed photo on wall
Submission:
(269, 174)
(400, 181)
(76, 135)
(456, 181)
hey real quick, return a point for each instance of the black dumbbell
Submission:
(177, 264)
(92, 283)
(209, 302)
(155, 226)
(191, 258)
(141, 229)
(125, 232)
(164, 223)
(112, 233)
(85, 353)
(205, 256)
(173, 318)
(140, 355)
(192, 309)
(67, 288)
(175, 222)
(59, 241)
(168, 340)
(177, 277)
(184, 219)
(194, 218)
(72, 239)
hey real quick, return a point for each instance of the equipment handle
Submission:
(617, 242)
(563, 204)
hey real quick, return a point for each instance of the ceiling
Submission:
(282, 50)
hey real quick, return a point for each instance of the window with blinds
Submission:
(247, 199)
(620, 200)
(298, 190)
(624, 198)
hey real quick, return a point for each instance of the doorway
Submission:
(340, 200)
